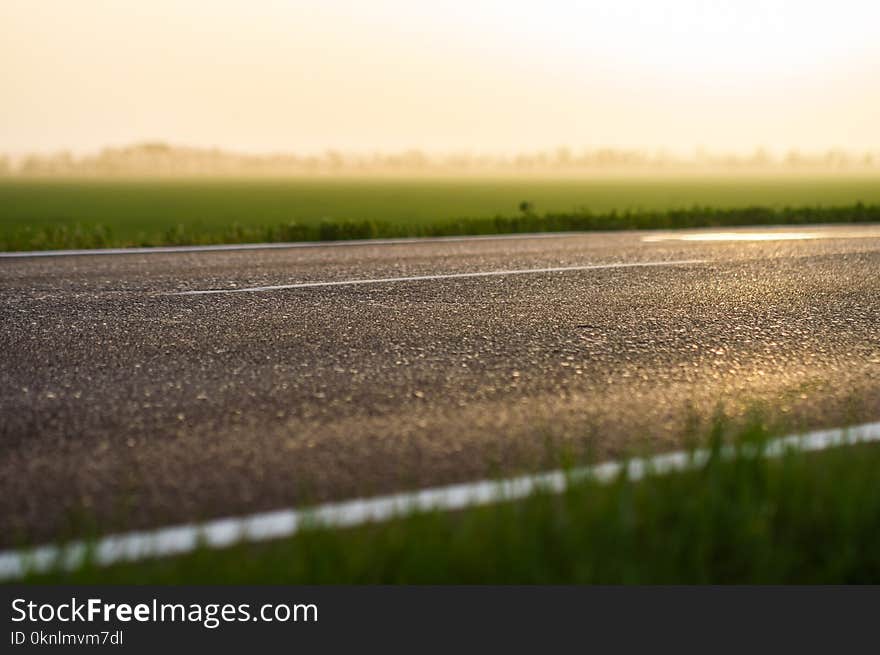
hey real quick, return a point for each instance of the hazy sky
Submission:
(474, 75)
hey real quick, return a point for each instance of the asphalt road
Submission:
(125, 403)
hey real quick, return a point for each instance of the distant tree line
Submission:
(161, 159)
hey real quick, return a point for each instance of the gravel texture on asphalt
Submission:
(123, 405)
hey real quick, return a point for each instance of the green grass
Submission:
(40, 214)
(802, 518)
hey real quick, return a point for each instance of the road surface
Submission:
(131, 397)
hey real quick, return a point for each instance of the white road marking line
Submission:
(439, 276)
(185, 538)
(231, 247)
(226, 247)
(760, 236)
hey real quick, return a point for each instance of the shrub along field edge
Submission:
(100, 235)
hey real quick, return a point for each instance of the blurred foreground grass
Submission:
(801, 518)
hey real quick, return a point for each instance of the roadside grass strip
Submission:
(223, 533)
(97, 227)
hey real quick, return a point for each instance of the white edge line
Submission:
(184, 538)
(438, 276)
(715, 235)
(226, 247)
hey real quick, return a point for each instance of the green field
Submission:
(801, 518)
(36, 214)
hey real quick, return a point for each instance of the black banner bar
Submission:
(414, 619)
